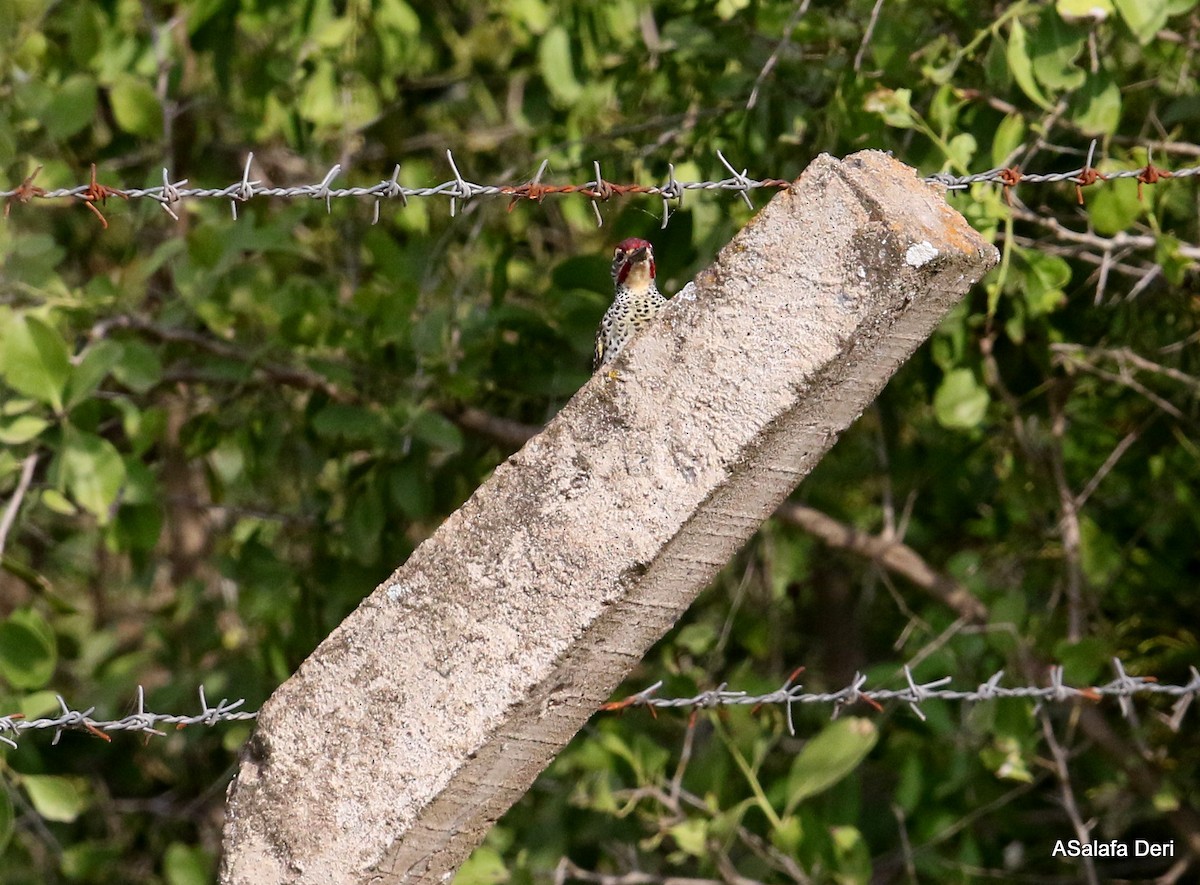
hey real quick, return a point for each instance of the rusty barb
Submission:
(1123, 687)
(459, 189)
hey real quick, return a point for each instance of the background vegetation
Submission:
(241, 427)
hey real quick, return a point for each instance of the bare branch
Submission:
(893, 555)
(14, 503)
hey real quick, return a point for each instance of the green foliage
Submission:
(27, 650)
(53, 797)
(238, 428)
(829, 757)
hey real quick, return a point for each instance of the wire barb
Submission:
(170, 194)
(245, 190)
(744, 184)
(98, 193)
(322, 189)
(25, 191)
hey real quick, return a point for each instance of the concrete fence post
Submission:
(433, 707)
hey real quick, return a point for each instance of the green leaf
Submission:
(92, 471)
(1010, 135)
(32, 258)
(57, 502)
(37, 704)
(893, 105)
(1054, 47)
(1144, 17)
(1006, 761)
(961, 401)
(962, 149)
(349, 422)
(534, 15)
(554, 60)
(1084, 10)
(1021, 66)
(437, 430)
(691, 836)
(93, 367)
(1114, 207)
(90, 861)
(139, 367)
(398, 17)
(186, 865)
(143, 428)
(136, 108)
(830, 756)
(485, 866)
(696, 638)
(788, 836)
(1101, 555)
(28, 653)
(16, 405)
(55, 798)
(21, 429)
(1044, 281)
(34, 360)
(1084, 661)
(335, 32)
(72, 108)
(320, 100)
(852, 853)
(409, 489)
(1168, 255)
(201, 11)
(1096, 108)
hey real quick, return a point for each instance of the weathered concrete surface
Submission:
(431, 709)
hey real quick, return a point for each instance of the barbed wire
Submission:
(1123, 687)
(142, 720)
(459, 189)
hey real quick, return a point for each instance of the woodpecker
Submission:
(636, 299)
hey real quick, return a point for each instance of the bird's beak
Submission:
(639, 254)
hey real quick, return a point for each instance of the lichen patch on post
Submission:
(920, 254)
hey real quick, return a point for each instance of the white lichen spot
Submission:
(920, 254)
(687, 293)
(396, 592)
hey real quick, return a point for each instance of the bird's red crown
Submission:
(623, 257)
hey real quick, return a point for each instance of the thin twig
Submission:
(1109, 463)
(1068, 523)
(797, 14)
(1063, 772)
(867, 34)
(14, 503)
(1124, 357)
